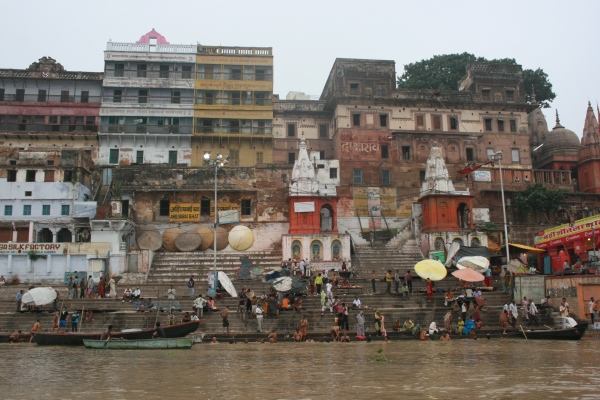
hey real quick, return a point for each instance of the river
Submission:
(485, 369)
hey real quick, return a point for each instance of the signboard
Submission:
(184, 212)
(437, 255)
(580, 229)
(39, 248)
(375, 201)
(305, 206)
(482, 176)
(229, 217)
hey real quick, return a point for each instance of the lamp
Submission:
(497, 156)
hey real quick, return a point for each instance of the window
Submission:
(141, 70)
(45, 209)
(246, 207)
(420, 121)
(436, 122)
(453, 123)
(65, 209)
(117, 93)
(1, 94)
(422, 175)
(260, 74)
(385, 151)
(385, 177)
(235, 98)
(488, 124)
(20, 95)
(490, 153)
(205, 207)
(259, 157)
(164, 206)
(380, 89)
(41, 96)
(321, 155)
(30, 175)
(406, 152)
(186, 72)
(164, 71)
(85, 96)
(291, 130)
(113, 157)
(236, 74)
(470, 154)
(486, 94)
(172, 157)
(333, 173)
(26, 210)
(357, 176)
(11, 176)
(323, 131)
(383, 120)
(68, 176)
(64, 96)
(125, 208)
(7, 210)
(354, 88)
(510, 95)
(119, 70)
(175, 96)
(291, 158)
(139, 157)
(500, 125)
(513, 125)
(515, 156)
(28, 193)
(143, 96)
(356, 119)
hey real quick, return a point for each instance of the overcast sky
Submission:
(562, 37)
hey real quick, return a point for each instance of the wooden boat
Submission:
(76, 339)
(141, 344)
(574, 333)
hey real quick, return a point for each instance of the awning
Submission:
(518, 247)
(466, 251)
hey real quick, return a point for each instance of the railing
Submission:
(236, 51)
(234, 130)
(233, 101)
(50, 98)
(146, 128)
(158, 48)
(546, 176)
(235, 76)
(147, 99)
(128, 73)
(16, 127)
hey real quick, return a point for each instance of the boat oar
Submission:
(520, 326)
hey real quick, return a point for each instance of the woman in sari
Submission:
(477, 318)
(448, 321)
(381, 324)
(469, 326)
(429, 290)
(102, 287)
(461, 325)
(360, 324)
(377, 323)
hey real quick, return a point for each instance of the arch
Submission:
(336, 250)
(316, 250)
(459, 241)
(475, 242)
(438, 243)
(326, 215)
(463, 216)
(64, 236)
(44, 236)
(296, 250)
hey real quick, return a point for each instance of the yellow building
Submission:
(233, 109)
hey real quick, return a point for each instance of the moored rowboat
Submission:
(142, 344)
(574, 333)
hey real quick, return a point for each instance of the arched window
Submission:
(44, 236)
(459, 241)
(296, 250)
(326, 218)
(439, 243)
(316, 250)
(463, 215)
(475, 242)
(64, 236)
(336, 250)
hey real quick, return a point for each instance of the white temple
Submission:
(437, 179)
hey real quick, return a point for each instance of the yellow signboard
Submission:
(572, 231)
(184, 212)
(375, 201)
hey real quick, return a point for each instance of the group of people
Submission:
(89, 289)
(406, 289)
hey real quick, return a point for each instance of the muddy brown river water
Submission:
(460, 369)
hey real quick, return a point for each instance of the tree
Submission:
(539, 197)
(443, 72)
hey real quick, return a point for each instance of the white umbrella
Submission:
(476, 263)
(282, 284)
(39, 296)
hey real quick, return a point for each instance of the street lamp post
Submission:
(217, 162)
(497, 156)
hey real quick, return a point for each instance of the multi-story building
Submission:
(233, 104)
(147, 103)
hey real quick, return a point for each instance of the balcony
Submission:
(226, 101)
(126, 73)
(144, 100)
(157, 48)
(27, 127)
(235, 76)
(218, 130)
(235, 51)
(35, 98)
(518, 179)
(146, 129)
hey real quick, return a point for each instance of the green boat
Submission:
(141, 344)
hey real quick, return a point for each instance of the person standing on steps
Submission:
(371, 238)
(408, 281)
(190, 285)
(259, 318)
(397, 281)
(303, 328)
(429, 290)
(319, 283)
(225, 316)
(388, 282)
(373, 280)
(19, 298)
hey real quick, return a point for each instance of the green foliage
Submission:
(33, 255)
(539, 198)
(116, 190)
(443, 72)
(489, 228)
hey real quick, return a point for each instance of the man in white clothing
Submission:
(514, 313)
(302, 272)
(591, 309)
(137, 293)
(525, 305)
(259, 318)
(533, 313)
(328, 291)
(199, 304)
(356, 302)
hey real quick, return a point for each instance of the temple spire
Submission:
(558, 125)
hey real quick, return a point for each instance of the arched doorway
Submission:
(463, 215)
(64, 236)
(336, 250)
(316, 250)
(44, 236)
(296, 250)
(326, 218)
(475, 242)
